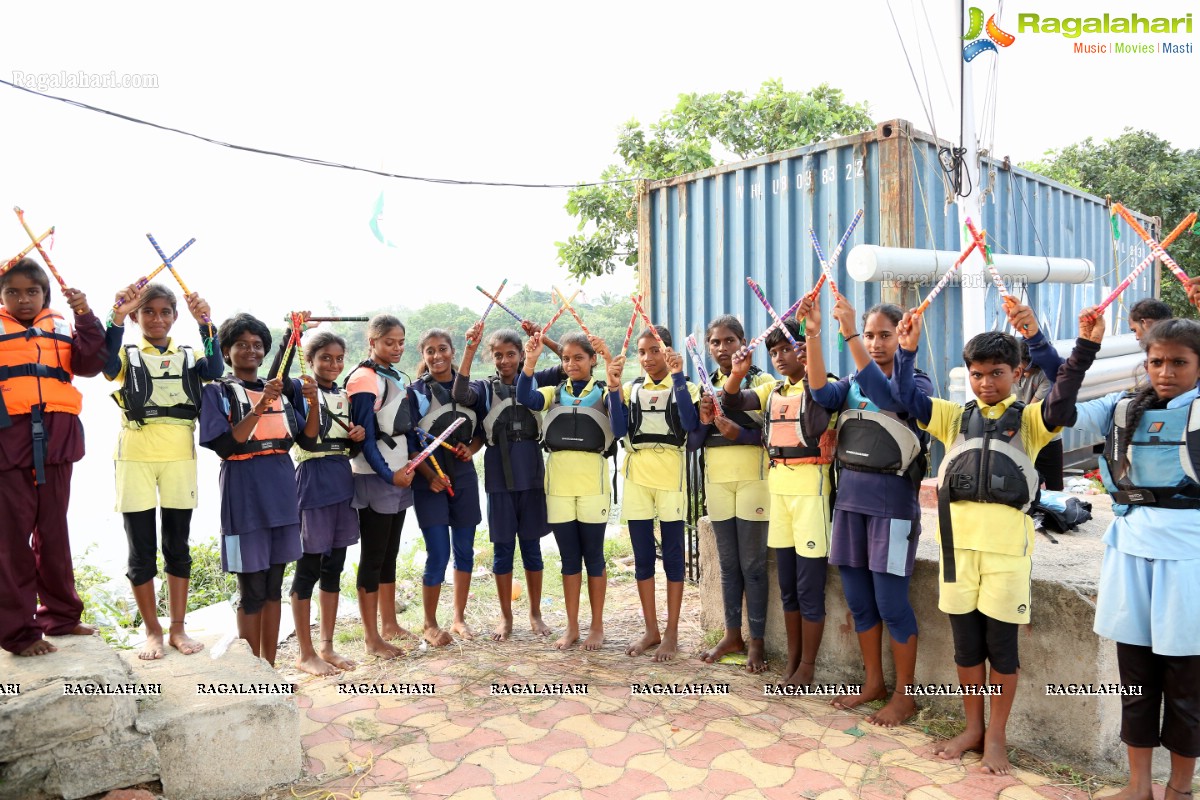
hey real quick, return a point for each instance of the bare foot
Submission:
(338, 661)
(995, 755)
(39, 648)
(389, 631)
(869, 693)
(152, 650)
(954, 748)
(184, 643)
(315, 665)
(503, 630)
(462, 629)
(639, 646)
(569, 638)
(1132, 792)
(382, 649)
(669, 647)
(803, 676)
(595, 639)
(730, 643)
(82, 630)
(756, 657)
(898, 710)
(539, 627)
(437, 637)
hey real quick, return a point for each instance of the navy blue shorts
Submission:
(517, 513)
(439, 508)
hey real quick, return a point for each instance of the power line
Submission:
(319, 162)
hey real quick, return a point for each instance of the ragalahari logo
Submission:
(975, 45)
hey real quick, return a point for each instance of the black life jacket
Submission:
(578, 423)
(508, 421)
(752, 420)
(873, 440)
(654, 417)
(443, 411)
(1162, 465)
(332, 439)
(159, 385)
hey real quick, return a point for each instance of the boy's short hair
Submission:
(776, 337)
(1149, 308)
(993, 346)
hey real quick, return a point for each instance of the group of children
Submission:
(815, 469)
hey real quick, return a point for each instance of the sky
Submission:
(529, 92)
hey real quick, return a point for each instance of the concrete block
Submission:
(219, 746)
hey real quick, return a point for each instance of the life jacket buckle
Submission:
(961, 482)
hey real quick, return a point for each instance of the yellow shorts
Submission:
(642, 502)
(749, 500)
(582, 508)
(142, 485)
(800, 521)
(998, 585)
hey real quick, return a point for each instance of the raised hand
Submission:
(1091, 325)
(908, 332)
(674, 361)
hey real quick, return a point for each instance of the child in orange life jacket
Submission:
(380, 404)
(514, 473)
(986, 535)
(800, 441)
(251, 424)
(661, 412)
(737, 498)
(156, 450)
(445, 519)
(40, 439)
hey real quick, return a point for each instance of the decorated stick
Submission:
(778, 320)
(944, 281)
(827, 266)
(424, 434)
(503, 307)
(13, 261)
(981, 245)
(559, 313)
(488, 310)
(1155, 247)
(426, 438)
(41, 251)
(637, 308)
(574, 313)
(1180, 229)
(762, 337)
(145, 279)
(443, 436)
(637, 301)
(826, 271)
(336, 319)
(705, 381)
(175, 272)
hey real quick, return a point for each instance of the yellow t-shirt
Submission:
(165, 439)
(574, 473)
(991, 527)
(802, 479)
(657, 467)
(737, 462)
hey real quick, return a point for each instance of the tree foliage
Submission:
(683, 141)
(1143, 172)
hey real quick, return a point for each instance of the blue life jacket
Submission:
(1159, 467)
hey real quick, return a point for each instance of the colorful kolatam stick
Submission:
(428, 451)
(637, 308)
(705, 381)
(828, 266)
(41, 250)
(571, 308)
(1155, 247)
(426, 438)
(145, 279)
(336, 319)
(175, 273)
(503, 307)
(33, 245)
(637, 301)
(762, 337)
(762, 298)
(490, 305)
(1180, 229)
(559, 313)
(980, 239)
(944, 281)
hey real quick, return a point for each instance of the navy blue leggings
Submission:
(437, 552)
(801, 583)
(641, 533)
(531, 555)
(580, 543)
(875, 597)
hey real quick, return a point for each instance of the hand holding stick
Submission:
(428, 451)
(705, 381)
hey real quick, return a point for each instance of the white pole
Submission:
(975, 281)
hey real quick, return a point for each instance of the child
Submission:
(445, 519)
(737, 498)
(514, 474)
(156, 449)
(1145, 314)
(986, 535)
(40, 438)
(578, 431)
(800, 442)
(251, 424)
(325, 487)
(381, 406)
(877, 514)
(1151, 562)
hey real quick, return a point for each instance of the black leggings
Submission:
(142, 535)
(1170, 684)
(979, 638)
(379, 538)
(315, 566)
(257, 588)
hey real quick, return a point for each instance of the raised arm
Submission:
(1058, 409)
(908, 396)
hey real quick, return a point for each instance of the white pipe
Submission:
(871, 263)
(1113, 346)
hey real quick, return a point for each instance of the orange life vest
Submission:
(275, 430)
(788, 441)
(35, 364)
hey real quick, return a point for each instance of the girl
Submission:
(40, 438)
(800, 442)
(877, 515)
(325, 487)
(514, 473)
(380, 405)
(661, 413)
(444, 518)
(735, 492)
(156, 449)
(251, 424)
(579, 428)
(1151, 562)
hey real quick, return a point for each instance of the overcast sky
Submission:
(523, 92)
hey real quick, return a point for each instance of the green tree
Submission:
(1143, 172)
(682, 141)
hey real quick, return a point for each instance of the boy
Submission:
(986, 534)
(1145, 313)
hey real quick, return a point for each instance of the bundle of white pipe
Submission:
(872, 263)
